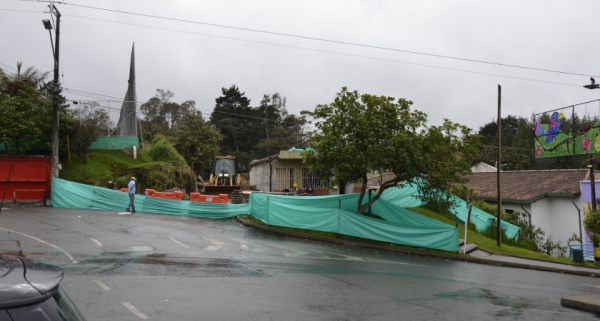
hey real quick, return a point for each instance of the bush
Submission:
(591, 221)
(163, 151)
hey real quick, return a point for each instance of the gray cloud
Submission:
(543, 34)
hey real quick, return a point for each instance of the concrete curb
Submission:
(582, 303)
(457, 257)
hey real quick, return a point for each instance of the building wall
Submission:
(558, 217)
(259, 177)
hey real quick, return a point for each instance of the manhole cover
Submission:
(140, 248)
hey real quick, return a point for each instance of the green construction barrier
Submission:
(336, 213)
(68, 194)
(483, 220)
(115, 143)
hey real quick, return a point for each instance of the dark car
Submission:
(29, 290)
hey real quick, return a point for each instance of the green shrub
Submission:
(163, 151)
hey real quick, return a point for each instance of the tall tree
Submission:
(91, 123)
(358, 134)
(26, 109)
(161, 115)
(197, 141)
(236, 120)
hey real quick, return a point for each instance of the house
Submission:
(278, 172)
(551, 199)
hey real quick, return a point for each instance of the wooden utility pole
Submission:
(499, 218)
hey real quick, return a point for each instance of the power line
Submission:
(334, 41)
(13, 10)
(329, 52)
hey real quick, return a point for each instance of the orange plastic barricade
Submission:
(124, 189)
(220, 199)
(177, 195)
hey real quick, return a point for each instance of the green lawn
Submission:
(99, 168)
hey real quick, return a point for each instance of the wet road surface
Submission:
(161, 267)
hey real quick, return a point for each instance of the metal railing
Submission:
(588, 251)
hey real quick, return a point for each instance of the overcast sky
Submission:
(195, 60)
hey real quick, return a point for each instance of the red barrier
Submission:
(124, 189)
(29, 178)
(177, 195)
(220, 199)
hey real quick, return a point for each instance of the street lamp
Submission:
(591, 86)
(54, 89)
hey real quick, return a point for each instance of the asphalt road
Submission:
(162, 267)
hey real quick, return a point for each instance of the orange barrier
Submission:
(221, 198)
(124, 189)
(177, 195)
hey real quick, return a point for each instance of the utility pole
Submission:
(55, 88)
(499, 218)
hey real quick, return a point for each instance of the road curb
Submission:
(582, 303)
(461, 258)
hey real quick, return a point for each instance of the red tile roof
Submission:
(528, 186)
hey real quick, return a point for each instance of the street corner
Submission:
(588, 303)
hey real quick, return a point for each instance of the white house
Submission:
(552, 199)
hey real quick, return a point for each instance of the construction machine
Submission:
(226, 175)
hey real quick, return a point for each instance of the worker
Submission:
(310, 190)
(295, 188)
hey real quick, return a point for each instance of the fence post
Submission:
(267, 210)
(337, 235)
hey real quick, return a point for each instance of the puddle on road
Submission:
(162, 265)
(515, 305)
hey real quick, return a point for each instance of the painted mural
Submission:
(552, 141)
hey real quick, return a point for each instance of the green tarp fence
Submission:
(66, 194)
(335, 214)
(115, 143)
(482, 220)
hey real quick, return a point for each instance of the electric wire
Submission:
(331, 52)
(331, 41)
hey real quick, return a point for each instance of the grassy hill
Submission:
(100, 168)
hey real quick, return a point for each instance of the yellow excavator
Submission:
(225, 176)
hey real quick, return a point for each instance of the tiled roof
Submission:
(528, 186)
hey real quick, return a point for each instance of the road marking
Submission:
(216, 245)
(174, 240)
(44, 242)
(102, 285)
(593, 286)
(135, 311)
(255, 247)
(96, 241)
(124, 213)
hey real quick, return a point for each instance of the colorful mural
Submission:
(551, 141)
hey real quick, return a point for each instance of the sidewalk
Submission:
(583, 303)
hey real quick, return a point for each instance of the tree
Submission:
(236, 120)
(90, 124)
(197, 141)
(360, 134)
(25, 109)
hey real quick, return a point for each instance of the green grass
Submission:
(99, 168)
(490, 245)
